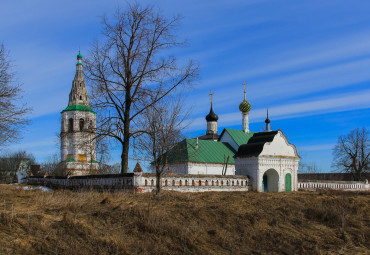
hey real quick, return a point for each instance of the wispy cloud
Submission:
(343, 102)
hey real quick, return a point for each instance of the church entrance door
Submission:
(288, 182)
(270, 181)
(264, 183)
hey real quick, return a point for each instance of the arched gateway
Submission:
(270, 181)
(270, 162)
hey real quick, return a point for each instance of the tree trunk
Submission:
(158, 184)
(124, 156)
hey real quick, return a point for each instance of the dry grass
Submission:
(66, 222)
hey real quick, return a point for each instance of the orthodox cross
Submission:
(244, 85)
(211, 94)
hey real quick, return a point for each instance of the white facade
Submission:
(277, 161)
(202, 168)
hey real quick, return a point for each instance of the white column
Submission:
(245, 122)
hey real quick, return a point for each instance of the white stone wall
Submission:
(201, 168)
(147, 183)
(278, 155)
(334, 185)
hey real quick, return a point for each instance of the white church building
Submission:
(267, 158)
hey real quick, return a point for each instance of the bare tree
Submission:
(52, 166)
(352, 153)
(309, 168)
(10, 162)
(162, 125)
(12, 112)
(129, 71)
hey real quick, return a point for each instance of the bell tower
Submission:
(78, 129)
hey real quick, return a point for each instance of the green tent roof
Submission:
(239, 136)
(207, 152)
(70, 160)
(82, 108)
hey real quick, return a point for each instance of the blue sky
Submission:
(308, 61)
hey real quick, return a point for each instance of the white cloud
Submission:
(336, 103)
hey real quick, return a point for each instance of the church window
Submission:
(80, 97)
(70, 125)
(186, 182)
(165, 183)
(180, 183)
(200, 183)
(173, 182)
(152, 182)
(206, 183)
(213, 183)
(81, 124)
(232, 183)
(146, 182)
(222, 183)
(193, 182)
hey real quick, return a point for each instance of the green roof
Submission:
(239, 136)
(82, 108)
(79, 55)
(207, 152)
(70, 160)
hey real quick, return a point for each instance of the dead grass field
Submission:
(66, 222)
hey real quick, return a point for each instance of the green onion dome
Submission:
(245, 106)
(79, 56)
(212, 116)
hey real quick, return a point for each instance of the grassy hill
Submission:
(66, 222)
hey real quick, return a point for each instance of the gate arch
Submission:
(270, 181)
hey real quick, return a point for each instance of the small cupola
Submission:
(211, 119)
(245, 107)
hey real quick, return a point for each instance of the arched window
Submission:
(81, 124)
(80, 97)
(186, 182)
(165, 183)
(70, 125)
(152, 182)
(146, 182)
(180, 183)
(173, 182)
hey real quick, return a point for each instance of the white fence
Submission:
(334, 185)
(147, 182)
